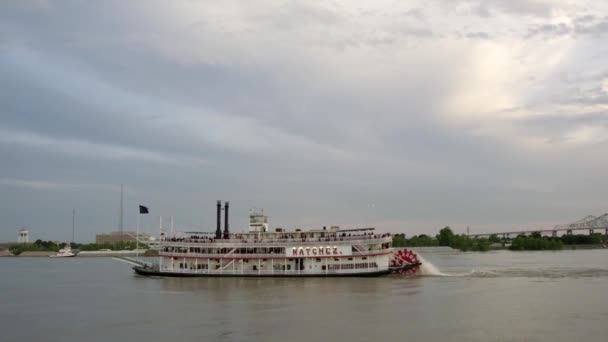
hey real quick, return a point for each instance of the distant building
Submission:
(24, 236)
(114, 237)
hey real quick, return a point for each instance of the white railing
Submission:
(269, 255)
(274, 272)
(271, 243)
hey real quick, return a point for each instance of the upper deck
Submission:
(259, 241)
(279, 245)
(362, 236)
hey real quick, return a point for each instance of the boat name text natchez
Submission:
(313, 251)
(280, 253)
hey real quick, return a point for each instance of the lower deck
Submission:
(153, 271)
(375, 264)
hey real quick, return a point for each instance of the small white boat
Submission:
(65, 252)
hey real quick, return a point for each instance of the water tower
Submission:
(24, 236)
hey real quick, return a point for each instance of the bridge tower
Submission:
(591, 231)
(554, 233)
(569, 231)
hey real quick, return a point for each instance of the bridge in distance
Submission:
(591, 224)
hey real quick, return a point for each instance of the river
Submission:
(493, 296)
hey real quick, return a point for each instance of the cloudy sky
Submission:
(404, 115)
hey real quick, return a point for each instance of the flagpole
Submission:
(73, 225)
(137, 237)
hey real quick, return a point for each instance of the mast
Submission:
(120, 219)
(73, 224)
(137, 236)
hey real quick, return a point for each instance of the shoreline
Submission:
(84, 254)
(129, 253)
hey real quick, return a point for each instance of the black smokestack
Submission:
(218, 231)
(226, 231)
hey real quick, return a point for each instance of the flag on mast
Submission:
(142, 210)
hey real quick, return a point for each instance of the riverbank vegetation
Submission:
(579, 239)
(38, 246)
(537, 242)
(446, 237)
(51, 246)
(117, 246)
(399, 240)
(533, 242)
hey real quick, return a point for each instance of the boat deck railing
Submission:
(275, 272)
(268, 255)
(277, 242)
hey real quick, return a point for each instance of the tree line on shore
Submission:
(52, 246)
(463, 242)
(446, 237)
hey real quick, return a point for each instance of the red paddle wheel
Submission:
(405, 261)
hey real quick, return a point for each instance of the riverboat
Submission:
(325, 252)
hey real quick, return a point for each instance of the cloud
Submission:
(540, 8)
(488, 9)
(551, 30)
(312, 109)
(577, 27)
(87, 149)
(51, 185)
(583, 128)
(477, 35)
